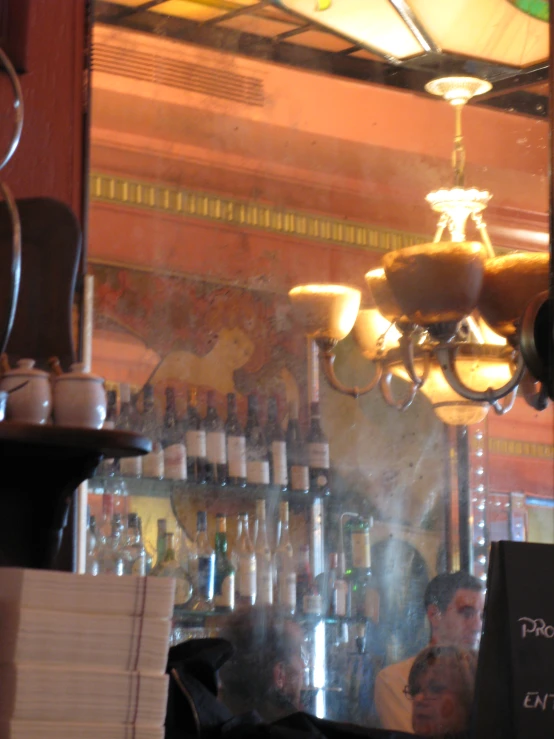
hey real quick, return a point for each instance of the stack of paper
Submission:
(83, 656)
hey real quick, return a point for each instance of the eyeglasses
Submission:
(431, 692)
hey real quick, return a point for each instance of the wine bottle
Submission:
(297, 455)
(129, 420)
(264, 562)
(224, 589)
(216, 449)
(175, 453)
(236, 444)
(161, 541)
(277, 446)
(169, 567)
(203, 596)
(318, 454)
(284, 564)
(195, 440)
(247, 565)
(152, 463)
(257, 457)
(363, 594)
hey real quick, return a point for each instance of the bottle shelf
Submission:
(214, 619)
(153, 488)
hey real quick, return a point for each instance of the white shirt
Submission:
(393, 707)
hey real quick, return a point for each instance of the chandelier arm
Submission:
(501, 408)
(441, 225)
(327, 359)
(482, 228)
(386, 391)
(406, 344)
(446, 357)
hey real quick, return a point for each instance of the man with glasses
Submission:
(454, 606)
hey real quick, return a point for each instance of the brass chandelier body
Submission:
(446, 315)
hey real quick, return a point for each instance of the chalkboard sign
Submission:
(514, 692)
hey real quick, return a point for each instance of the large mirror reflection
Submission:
(310, 264)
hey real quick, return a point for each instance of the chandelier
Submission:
(443, 316)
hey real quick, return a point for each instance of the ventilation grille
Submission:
(180, 74)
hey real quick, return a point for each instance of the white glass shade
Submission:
(326, 311)
(476, 372)
(505, 34)
(373, 333)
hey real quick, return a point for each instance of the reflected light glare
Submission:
(373, 333)
(326, 311)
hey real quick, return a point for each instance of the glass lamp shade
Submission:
(511, 281)
(382, 295)
(436, 282)
(399, 31)
(484, 367)
(326, 311)
(373, 333)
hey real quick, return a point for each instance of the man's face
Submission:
(460, 624)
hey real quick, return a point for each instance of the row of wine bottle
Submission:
(212, 578)
(210, 450)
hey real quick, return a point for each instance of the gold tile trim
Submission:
(514, 448)
(289, 223)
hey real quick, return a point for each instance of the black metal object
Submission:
(464, 499)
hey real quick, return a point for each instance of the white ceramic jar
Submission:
(79, 399)
(32, 403)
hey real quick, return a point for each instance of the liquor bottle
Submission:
(152, 463)
(235, 555)
(318, 454)
(169, 567)
(161, 541)
(297, 455)
(134, 553)
(247, 565)
(112, 561)
(128, 420)
(216, 448)
(308, 598)
(224, 590)
(333, 589)
(284, 564)
(175, 453)
(264, 560)
(257, 457)
(195, 440)
(277, 446)
(363, 594)
(203, 585)
(92, 564)
(236, 444)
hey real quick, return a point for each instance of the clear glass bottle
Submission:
(129, 420)
(224, 589)
(236, 444)
(112, 560)
(134, 553)
(170, 567)
(257, 456)
(93, 551)
(284, 564)
(318, 454)
(264, 560)
(247, 565)
(175, 453)
(216, 448)
(276, 440)
(363, 594)
(152, 463)
(297, 454)
(195, 439)
(204, 561)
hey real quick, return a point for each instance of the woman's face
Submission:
(437, 705)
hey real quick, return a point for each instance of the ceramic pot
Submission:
(79, 399)
(31, 403)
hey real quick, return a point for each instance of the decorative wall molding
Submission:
(515, 448)
(288, 223)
